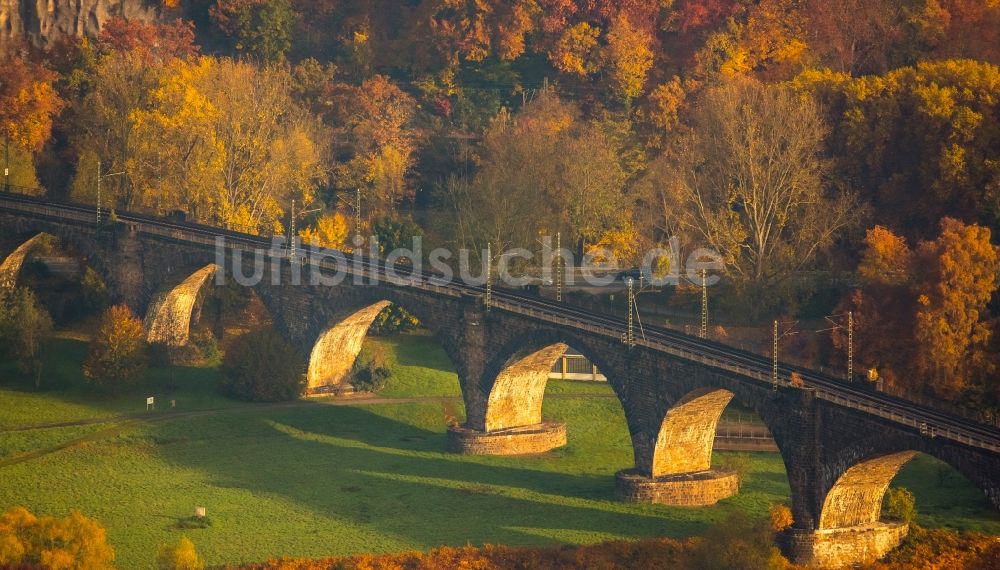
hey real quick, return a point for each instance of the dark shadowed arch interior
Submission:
(10, 268)
(62, 278)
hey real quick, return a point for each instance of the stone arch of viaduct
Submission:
(839, 460)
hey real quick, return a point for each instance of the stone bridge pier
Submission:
(840, 462)
(673, 407)
(504, 407)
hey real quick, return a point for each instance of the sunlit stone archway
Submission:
(684, 444)
(337, 347)
(851, 529)
(511, 422)
(516, 397)
(680, 472)
(168, 318)
(856, 498)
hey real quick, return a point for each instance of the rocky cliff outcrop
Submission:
(40, 22)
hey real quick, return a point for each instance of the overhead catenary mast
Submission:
(489, 275)
(703, 333)
(559, 267)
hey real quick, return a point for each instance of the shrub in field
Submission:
(900, 505)
(193, 522)
(73, 542)
(781, 517)
(117, 355)
(736, 542)
(369, 379)
(943, 549)
(25, 326)
(261, 366)
(204, 341)
(370, 372)
(93, 292)
(181, 556)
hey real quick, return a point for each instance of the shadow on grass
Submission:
(367, 469)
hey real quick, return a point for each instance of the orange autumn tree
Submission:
(118, 352)
(376, 118)
(921, 316)
(28, 103)
(781, 516)
(887, 258)
(73, 542)
(883, 307)
(959, 29)
(154, 42)
(476, 30)
(630, 57)
(959, 278)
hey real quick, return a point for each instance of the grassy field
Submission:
(65, 396)
(322, 479)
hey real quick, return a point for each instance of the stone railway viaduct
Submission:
(840, 450)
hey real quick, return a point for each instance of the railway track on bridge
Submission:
(753, 367)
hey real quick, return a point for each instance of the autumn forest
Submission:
(837, 155)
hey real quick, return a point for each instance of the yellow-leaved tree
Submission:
(224, 141)
(331, 232)
(181, 556)
(74, 542)
(618, 244)
(576, 50)
(927, 131)
(630, 57)
(960, 276)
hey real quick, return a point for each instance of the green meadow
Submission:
(320, 477)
